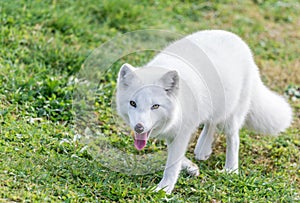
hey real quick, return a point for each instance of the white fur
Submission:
(216, 83)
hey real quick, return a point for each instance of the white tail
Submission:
(269, 113)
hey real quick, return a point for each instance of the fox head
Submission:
(147, 100)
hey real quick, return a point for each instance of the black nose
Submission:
(139, 128)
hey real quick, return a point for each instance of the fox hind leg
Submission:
(232, 128)
(232, 146)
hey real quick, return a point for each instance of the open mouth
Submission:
(140, 140)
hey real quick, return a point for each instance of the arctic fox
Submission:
(209, 78)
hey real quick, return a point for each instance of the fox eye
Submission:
(155, 106)
(132, 103)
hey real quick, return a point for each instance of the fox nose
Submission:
(139, 128)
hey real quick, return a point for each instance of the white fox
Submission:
(209, 78)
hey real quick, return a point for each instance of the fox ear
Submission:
(126, 75)
(170, 82)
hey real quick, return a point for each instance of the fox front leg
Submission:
(176, 151)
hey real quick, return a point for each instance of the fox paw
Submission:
(190, 167)
(168, 188)
(193, 170)
(228, 170)
(203, 154)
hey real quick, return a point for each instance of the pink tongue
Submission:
(140, 140)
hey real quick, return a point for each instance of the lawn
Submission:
(45, 44)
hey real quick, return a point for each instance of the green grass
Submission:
(44, 44)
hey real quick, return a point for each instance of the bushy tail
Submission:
(269, 113)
